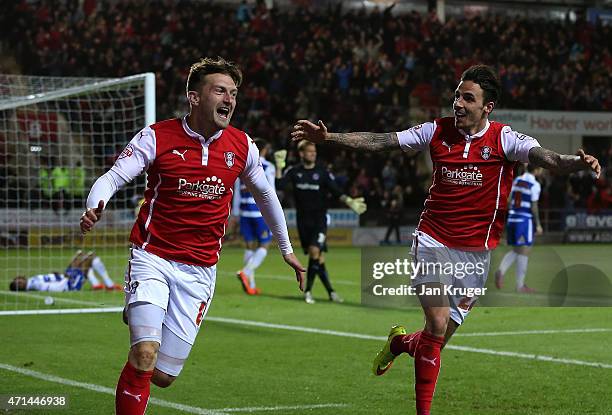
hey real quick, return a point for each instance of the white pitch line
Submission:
(378, 338)
(61, 311)
(103, 389)
(450, 346)
(530, 356)
(161, 402)
(284, 408)
(605, 301)
(299, 328)
(523, 332)
(42, 297)
(295, 328)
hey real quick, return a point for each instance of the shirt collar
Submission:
(478, 134)
(200, 137)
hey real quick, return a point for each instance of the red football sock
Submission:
(426, 370)
(133, 391)
(406, 343)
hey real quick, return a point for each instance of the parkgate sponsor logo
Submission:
(207, 188)
(468, 175)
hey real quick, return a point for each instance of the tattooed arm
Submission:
(365, 141)
(563, 163)
(318, 134)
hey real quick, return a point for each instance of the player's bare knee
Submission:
(161, 379)
(144, 355)
(437, 324)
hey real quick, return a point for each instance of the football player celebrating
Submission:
(463, 216)
(192, 164)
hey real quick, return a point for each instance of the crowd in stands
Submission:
(355, 69)
(42, 182)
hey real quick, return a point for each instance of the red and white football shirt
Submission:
(471, 181)
(189, 191)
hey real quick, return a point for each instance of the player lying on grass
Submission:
(463, 215)
(81, 266)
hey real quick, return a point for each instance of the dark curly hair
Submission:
(487, 78)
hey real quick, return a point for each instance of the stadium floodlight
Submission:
(57, 135)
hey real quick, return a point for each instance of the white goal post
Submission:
(57, 135)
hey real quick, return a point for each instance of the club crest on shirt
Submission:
(485, 152)
(127, 152)
(315, 176)
(229, 158)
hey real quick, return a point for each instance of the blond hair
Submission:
(304, 143)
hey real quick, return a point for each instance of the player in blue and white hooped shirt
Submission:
(523, 218)
(81, 266)
(257, 236)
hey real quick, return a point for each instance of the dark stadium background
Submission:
(358, 66)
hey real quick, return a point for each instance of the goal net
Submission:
(57, 135)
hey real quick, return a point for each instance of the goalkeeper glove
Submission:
(357, 204)
(279, 159)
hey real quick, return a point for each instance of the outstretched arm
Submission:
(318, 134)
(366, 141)
(563, 163)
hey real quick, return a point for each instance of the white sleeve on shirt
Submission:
(104, 188)
(417, 138)
(516, 145)
(236, 199)
(136, 157)
(255, 180)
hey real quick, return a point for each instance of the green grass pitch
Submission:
(243, 368)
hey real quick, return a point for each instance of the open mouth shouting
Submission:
(224, 112)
